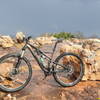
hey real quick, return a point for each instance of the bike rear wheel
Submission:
(15, 72)
(69, 69)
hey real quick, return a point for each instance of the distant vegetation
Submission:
(65, 35)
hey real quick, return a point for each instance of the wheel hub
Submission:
(70, 69)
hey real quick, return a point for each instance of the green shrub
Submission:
(64, 35)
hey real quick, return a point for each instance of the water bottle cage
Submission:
(42, 60)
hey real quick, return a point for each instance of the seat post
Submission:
(58, 41)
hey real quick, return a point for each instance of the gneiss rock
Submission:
(6, 41)
(20, 36)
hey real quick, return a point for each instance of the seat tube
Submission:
(54, 48)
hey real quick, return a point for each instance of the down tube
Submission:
(40, 64)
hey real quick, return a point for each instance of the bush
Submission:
(64, 35)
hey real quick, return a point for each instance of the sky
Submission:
(36, 17)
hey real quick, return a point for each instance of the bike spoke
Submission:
(14, 74)
(68, 69)
(18, 82)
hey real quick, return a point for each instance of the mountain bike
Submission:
(67, 69)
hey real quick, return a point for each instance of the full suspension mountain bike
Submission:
(16, 70)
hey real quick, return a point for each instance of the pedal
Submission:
(46, 74)
(44, 78)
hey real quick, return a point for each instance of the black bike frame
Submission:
(30, 47)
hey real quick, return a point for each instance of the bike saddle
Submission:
(58, 40)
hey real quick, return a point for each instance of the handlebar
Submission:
(30, 37)
(27, 39)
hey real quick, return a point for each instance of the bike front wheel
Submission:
(15, 72)
(68, 70)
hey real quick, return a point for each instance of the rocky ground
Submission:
(48, 89)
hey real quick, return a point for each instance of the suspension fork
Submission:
(20, 57)
(15, 71)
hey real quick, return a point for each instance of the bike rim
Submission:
(71, 71)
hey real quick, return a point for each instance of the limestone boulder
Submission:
(6, 96)
(45, 40)
(20, 37)
(6, 41)
(91, 61)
